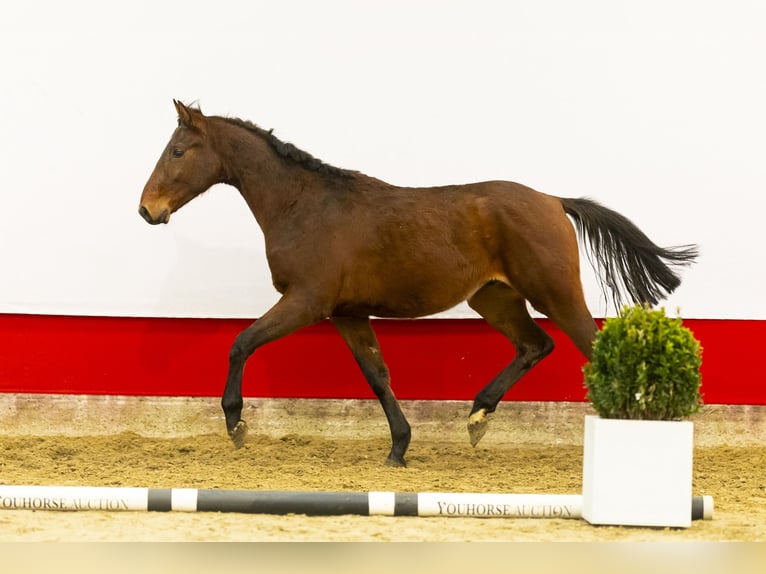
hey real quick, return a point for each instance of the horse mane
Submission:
(289, 151)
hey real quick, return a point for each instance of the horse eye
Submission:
(177, 152)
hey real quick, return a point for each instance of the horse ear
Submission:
(184, 115)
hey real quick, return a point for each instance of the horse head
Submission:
(188, 166)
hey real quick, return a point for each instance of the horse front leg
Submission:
(287, 316)
(361, 339)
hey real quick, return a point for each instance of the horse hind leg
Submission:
(505, 309)
(361, 340)
(563, 302)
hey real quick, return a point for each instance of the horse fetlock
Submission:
(238, 434)
(477, 426)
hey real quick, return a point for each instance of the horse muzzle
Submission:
(162, 217)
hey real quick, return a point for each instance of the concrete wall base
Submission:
(526, 422)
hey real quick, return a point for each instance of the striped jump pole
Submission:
(484, 505)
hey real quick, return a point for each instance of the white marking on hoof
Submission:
(238, 434)
(477, 426)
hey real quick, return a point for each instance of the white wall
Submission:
(657, 108)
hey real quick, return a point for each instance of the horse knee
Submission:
(239, 351)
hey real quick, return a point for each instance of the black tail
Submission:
(629, 262)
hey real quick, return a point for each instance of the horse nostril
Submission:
(144, 212)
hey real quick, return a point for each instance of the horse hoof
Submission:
(396, 462)
(238, 434)
(477, 426)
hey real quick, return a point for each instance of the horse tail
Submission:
(628, 262)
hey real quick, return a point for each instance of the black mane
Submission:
(289, 151)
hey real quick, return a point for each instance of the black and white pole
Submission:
(485, 505)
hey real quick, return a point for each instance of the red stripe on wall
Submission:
(429, 359)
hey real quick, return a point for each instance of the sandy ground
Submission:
(734, 476)
(340, 447)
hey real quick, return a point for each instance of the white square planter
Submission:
(637, 472)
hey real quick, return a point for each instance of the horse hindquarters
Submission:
(541, 259)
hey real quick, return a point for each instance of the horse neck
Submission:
(269, 184)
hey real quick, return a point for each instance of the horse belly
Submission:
(414, 291)
(422, 257)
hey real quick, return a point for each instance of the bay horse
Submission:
(346, 246)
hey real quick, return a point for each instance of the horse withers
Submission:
(346, 246)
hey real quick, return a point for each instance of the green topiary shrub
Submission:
(645, 366)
